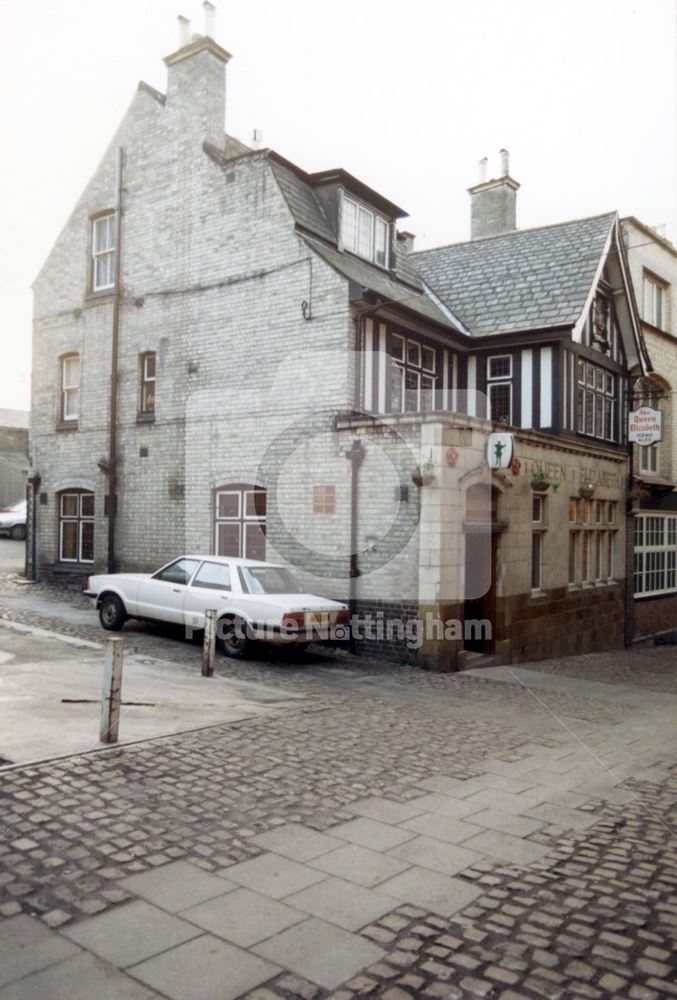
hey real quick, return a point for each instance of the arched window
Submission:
(76, 526)
(240, 521)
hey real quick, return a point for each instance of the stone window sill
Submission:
(77, 569)
(67, 425)
(145, 418)
(105, 295)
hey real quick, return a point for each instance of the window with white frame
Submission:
(364, 232)
(595, 401)
(69, 375)
(76, 527)
(240, 522)
(592, 541)
(413, 377)
(648, 458)
(499, 388)
(148, 382)
(653, 300)
(103, 252)
(655, 554)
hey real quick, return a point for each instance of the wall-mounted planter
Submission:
(540, 486)
(586, 491)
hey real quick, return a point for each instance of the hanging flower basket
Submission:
(422, 477)
(541, 482)
(586, 490)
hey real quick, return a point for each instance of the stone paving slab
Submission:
(491, 798)
(344, 903)
(83, 977)
(426, 852)
(445, 828)
(360, 865)
(203, 969)
(507, 848)
(27, 946)
(386, 811)
(243, 917)
(505, 822)
(431, 891)
(372, 834)
(297, 842)
(274, 876)
(569, 819)
(176, 886)
(447, 785)
(445, 805)
(131, 933)
(321, 952)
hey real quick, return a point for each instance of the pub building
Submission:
(267, 369)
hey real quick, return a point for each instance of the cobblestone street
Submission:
(499, 833)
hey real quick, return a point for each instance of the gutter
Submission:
(113, 437)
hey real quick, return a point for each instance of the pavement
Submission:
(384, 832)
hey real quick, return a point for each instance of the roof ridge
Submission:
(515, 232)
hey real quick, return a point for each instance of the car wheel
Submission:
(112, 614)
(235, 637)
(18, 532)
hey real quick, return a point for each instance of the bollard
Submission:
(112, 690)
(209, 643)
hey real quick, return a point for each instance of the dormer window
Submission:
(364, 233)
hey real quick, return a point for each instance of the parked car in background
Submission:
(254, 601)
(13, 520)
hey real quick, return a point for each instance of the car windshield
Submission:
(268, 580)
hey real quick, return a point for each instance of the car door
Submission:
(162, 597)
(211, 587)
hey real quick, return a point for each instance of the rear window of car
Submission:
(213, 576)
(268, 580)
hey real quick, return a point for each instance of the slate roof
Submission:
(402, 284)
(362, 273)
(303, 202)
(523, 280)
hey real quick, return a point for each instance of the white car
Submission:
(13, 520)
(254, 600)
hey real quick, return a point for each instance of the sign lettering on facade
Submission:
(645, 425)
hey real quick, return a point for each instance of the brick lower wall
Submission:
(562, 623)
(655, 615)
(385, 643)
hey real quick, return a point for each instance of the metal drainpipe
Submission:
(630, 538)
(113, 437)
(35, 486)
(355, 455)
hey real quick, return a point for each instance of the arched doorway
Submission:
(481, 542)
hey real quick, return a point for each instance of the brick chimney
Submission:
(493, 204)
(196, 82)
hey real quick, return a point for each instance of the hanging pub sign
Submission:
(645, 425)
(499, 451)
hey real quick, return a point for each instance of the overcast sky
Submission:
(407, 96)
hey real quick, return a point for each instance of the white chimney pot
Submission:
(505, 163)
(184, 31)
(210, 18)
(482, 172)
